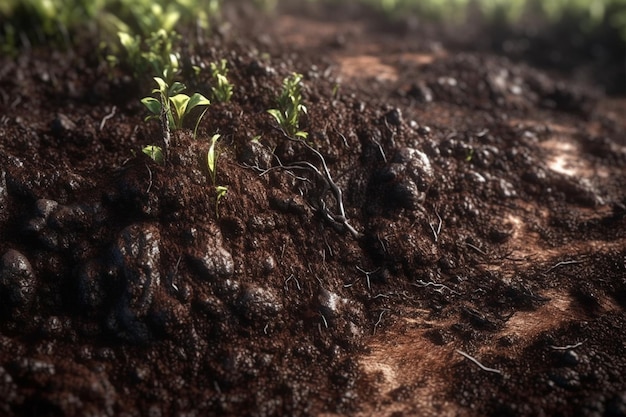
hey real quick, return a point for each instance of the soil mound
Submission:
(449, 240)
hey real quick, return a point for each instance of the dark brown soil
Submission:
(487, 275)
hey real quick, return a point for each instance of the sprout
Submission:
(212, 157)
(154, 152)
(290, 107)
(223, 90)
(173, 106)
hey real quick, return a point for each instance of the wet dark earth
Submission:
(451, 240)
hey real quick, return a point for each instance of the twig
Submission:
(476, 248)
(380, 149)
(438, 231)
(480, 365)
(434, 232)
(562, 263)
(381, 296)
(382, 244)
(330, 184)
(289, 169)
(568, 347)
(330, 250)
(345, 141)
(324, 319)
(107, 117)
(439, 287)
(367, 275)
(295, 279)
(380, 317)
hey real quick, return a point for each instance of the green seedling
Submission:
(173, 105)
(152, 16)
(221, 192)
(46, 21)
(223, 89)
(212, 157)
(149, 16)
(153, 55)
(160, 56)
(154, 152)
(290, 107)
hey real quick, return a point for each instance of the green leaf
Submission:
(130, 43)
(195, 129)
(176, 88)
(212, 158)
(154, 152)
(278, 115)
(162, 86)
(180, 102)
(221, 191)
(170, 19)
(173, 61)
(152, 104)
(197, 99)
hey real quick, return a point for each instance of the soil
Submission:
(485, 273)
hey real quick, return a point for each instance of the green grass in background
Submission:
(589, 13)
(24, 23)
(27, 22)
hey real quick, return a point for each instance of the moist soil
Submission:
(449, 241)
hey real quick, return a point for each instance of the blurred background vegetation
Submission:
(25, 22)
(589, 30)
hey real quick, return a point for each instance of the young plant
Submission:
(290, 107)
(154, 152)
(143, 51)
(212, 157)
(223, 89)
(220, 192)
(161, 57)
(173, 105)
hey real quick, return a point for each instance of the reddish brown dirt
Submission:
(489, 202)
